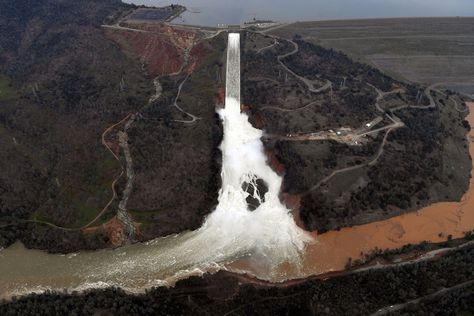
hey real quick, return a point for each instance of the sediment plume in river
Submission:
(433, 223)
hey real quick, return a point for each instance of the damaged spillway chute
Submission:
(265, 232)
(270, 230)
(249, 222)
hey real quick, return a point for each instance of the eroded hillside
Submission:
(94, 130)
(357, 145)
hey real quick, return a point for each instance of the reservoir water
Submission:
(213, 12)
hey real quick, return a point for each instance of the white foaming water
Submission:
(232, 231)
(268, 234)
(270, 229)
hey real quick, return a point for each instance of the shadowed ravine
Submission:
(266, 236)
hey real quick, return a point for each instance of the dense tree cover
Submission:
(16, 18)
(352, 294)
(459, 301)
(72, 83)
(409, 178)
(416, 159)
(412, 171)
(177, 165)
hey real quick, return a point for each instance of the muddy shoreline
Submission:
(433, 224)
(332, 250)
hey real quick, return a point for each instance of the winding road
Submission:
(122, 213)
(393, 308)
(307, 82)
(275, 42)
(114, 182)
(194, 118)
(397, 123)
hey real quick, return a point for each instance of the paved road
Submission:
(397, 123)
(381, 95)
(275, 27)
(456, 104)
(414, 106)
(118, 27)
(267, 47)
(307, 82)
(278, 108)
(194, 118)
(114, 183)
(397, 307)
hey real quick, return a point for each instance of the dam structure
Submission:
(265, 237)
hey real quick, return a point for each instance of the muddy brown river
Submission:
(141, 266)
(332, 249)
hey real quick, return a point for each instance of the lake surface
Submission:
(213, 12)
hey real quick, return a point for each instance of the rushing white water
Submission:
(268, 234)
(270, 229)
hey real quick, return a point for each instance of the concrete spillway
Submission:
(268, 236)
(269, 231)
(232, 83)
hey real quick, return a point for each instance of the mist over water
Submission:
(270, 229)
(266, 236)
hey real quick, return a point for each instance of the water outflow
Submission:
(270, 230)
(268, 234)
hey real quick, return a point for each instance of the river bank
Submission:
(333, 249)
(138, 267)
